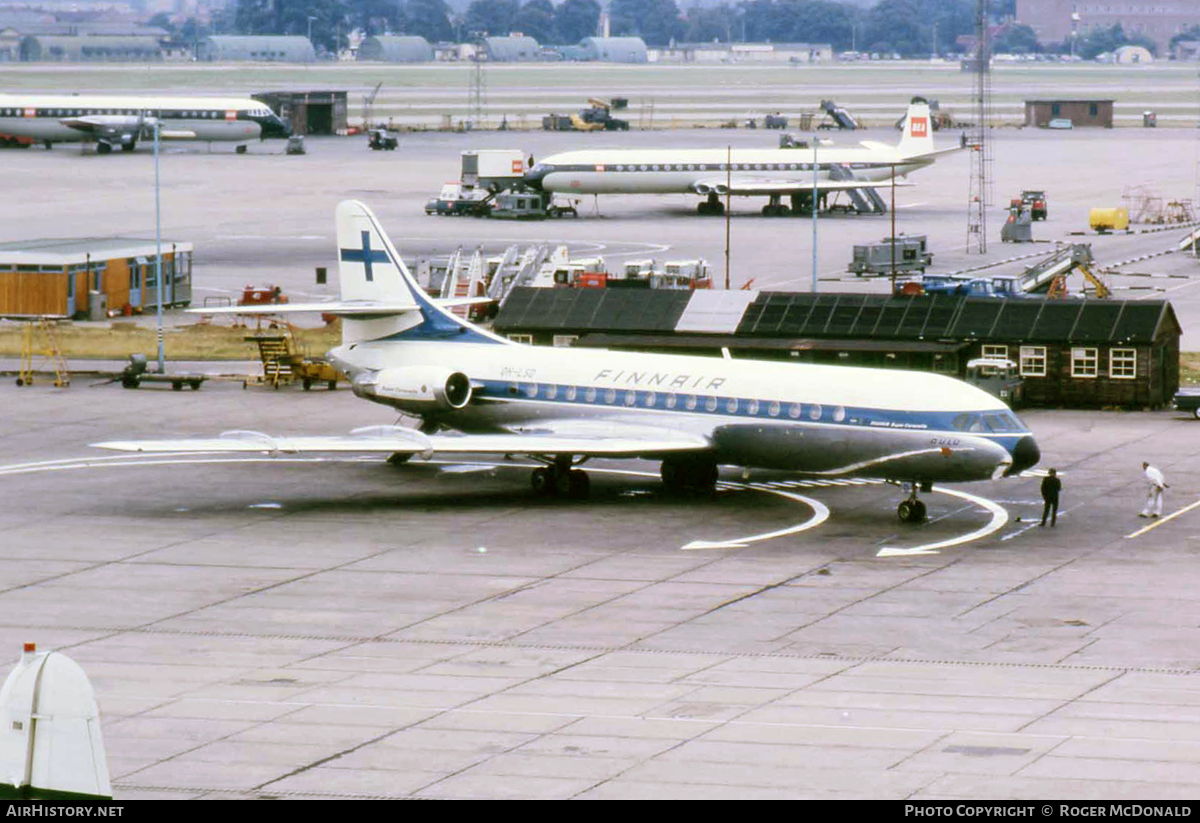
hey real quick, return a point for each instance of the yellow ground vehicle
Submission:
(1102, 221)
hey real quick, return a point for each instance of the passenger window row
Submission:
(671, 400)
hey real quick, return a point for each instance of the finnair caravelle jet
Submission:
(113, 121)
(774, 173)
(478, 393)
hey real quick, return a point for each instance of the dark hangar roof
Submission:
(833, 315)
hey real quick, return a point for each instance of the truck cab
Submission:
(999, 378)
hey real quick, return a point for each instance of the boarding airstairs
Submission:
(464, 278)
(1188, 243)
(519, 272)
(1050, 275)
(865, 200)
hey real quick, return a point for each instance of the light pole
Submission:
(158, 272)
(816, 204)
(310, 19)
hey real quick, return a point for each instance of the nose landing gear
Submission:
(912, 510)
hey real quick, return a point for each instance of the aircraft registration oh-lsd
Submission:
(478, 393)
(773, 173)
(123, 120)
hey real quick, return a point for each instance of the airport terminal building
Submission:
(1077, 353)
(88, 277)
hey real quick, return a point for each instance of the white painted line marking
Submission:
(999, 518)
(1160, 520)
(820, 515)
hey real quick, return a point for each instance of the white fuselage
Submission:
(693, 171)
(45, 118)
(818, 419)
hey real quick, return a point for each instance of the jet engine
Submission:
(421, 389)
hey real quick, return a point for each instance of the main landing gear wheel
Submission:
(689, 473)
(712, 205)
(775, 208)
(558, 481)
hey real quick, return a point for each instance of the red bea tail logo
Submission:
(920, 127)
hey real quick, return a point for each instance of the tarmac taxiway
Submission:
(283, 627)
(287, 627)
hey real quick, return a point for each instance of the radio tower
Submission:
(478, 93)
(980, 195)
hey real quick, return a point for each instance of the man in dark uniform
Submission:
(1051, 486)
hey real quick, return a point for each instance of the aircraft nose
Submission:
(1025, 454)
(533, 178)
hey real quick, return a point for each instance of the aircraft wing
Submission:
(762, 185)
(597, 440)
(115, 125)
(105, 125)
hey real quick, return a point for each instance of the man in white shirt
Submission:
(1154, 502)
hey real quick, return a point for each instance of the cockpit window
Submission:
(998, 422)
(968, 422)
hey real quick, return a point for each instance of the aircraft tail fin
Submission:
(378, 296)
(918, 130)
(369, 268)
(372, 274)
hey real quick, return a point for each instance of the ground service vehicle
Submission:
(1188, 400)
(382, 140)
(999, 378)
(456, 200)
(1035, 201)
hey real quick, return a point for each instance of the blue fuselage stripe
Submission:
(972, 423)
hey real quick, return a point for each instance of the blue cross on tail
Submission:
(366, 255)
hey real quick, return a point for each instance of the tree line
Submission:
(911, 28)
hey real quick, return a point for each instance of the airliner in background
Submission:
(773, 173)
(479, 393)
(113, 121)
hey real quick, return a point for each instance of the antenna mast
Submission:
(979, 197)
(478, 94)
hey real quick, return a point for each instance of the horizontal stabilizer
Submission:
(340, 309)
(336, 308)
(931, 155)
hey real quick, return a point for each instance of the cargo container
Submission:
(910, 254)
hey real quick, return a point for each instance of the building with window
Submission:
(77, 278)
(1081, 113)
(256, 48)
(394, 48)
(514, 48)
(609, 50)
(1057, 21)
(309, 112)
(1077, 353)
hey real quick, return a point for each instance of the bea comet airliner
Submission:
(772, 173)
(112, 121)
(478, 393)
